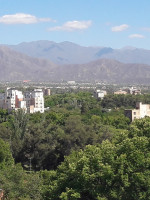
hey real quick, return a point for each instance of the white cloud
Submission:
(22, 18)
(72, 26)
(120, 28)
(136, 36)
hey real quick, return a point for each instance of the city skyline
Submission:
(110, 23)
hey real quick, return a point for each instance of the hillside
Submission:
(15, 66)
(106, 70)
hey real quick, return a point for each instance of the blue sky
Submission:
(109, 23)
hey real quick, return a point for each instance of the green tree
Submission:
(17, 184)
(18, 126)
(113, 170)
(6, 159)
(3, 115)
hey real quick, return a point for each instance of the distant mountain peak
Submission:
(70, 53)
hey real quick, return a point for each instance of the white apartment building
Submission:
(31, 102)
(14, 99)
(34, 101)
(141, 111)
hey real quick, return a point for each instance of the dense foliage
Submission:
(125, 101)
(119, 169)
(80, 148)
(73, 121)
(16, 183)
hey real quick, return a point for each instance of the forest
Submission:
(81, 148)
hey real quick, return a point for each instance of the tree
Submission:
(3, 115)
(112, 171)
(140, 127)
(5, 155)
(17, 124)
(17, 184)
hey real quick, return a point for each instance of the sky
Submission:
(107, 23)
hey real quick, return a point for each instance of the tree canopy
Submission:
(80, 148)
(112, 170)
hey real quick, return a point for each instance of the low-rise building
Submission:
(141, 111)
(120, 92)
(47, 92)
(131, 90)
(100, 94)
(134, 91)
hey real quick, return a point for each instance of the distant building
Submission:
(100, 94)
(141, 111)
(134, 91)
(34, 101)
(47, 92)
(30, 102)
(26, 81)
(38, 100)
(2, 100)
(12, 99)
(120, 92)
(71, 82)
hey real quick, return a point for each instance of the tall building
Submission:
(34, 101)
(31, 102)
(13, 100)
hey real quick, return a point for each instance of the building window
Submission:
(134, 113)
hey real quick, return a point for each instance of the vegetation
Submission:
(125, 101)
(81, 148)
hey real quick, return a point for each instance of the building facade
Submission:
(120, 92)
(100, 94)
(30, 102)
(131, 90)
(141, 111)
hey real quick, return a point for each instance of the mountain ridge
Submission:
(17, 66)
(71, 53)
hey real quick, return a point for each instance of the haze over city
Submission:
(109, 23)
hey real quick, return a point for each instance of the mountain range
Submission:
(70, 53)
(105, 70)
(15, 65)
